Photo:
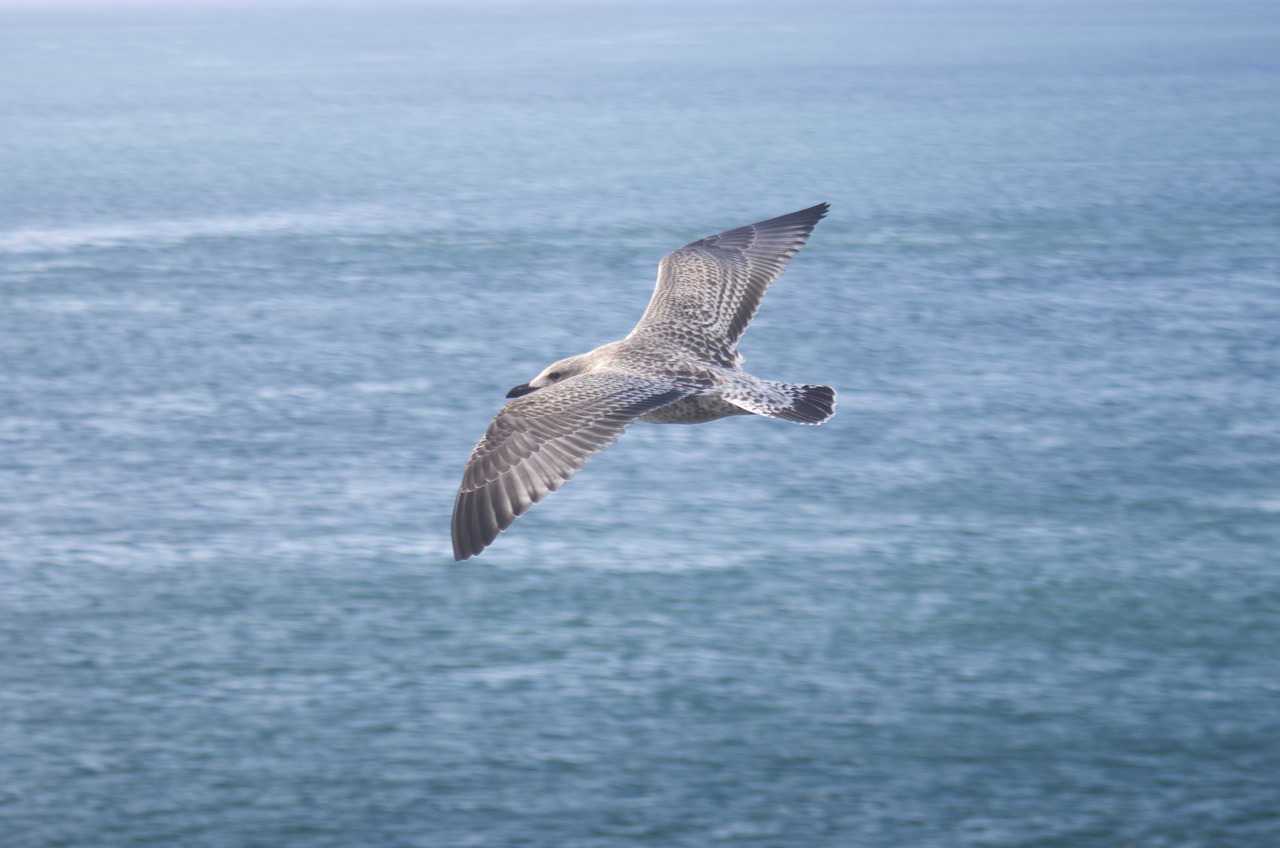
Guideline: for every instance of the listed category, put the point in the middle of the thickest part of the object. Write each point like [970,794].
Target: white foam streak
[160,232]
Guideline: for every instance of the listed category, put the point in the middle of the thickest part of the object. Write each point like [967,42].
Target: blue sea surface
[267,273]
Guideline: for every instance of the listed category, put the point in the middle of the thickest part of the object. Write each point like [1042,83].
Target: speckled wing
[708,291]
[538,442]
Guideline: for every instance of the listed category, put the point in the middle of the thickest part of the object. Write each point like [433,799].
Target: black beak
[522,389]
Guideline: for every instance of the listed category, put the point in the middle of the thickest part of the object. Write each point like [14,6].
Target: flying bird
[680,365]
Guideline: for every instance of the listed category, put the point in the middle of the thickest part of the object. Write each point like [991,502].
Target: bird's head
[552,374]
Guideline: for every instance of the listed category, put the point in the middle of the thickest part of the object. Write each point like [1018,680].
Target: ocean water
[265,276]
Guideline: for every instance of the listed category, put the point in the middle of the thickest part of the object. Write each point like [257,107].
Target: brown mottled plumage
[680,365]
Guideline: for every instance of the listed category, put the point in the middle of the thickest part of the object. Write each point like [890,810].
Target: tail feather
[798,402]
[809,404]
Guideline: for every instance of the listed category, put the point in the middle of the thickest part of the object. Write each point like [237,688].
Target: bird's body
[680,365]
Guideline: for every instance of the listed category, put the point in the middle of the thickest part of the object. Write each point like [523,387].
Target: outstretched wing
[710,290]
[538,442]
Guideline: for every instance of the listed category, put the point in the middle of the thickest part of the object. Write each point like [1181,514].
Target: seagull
[680,365]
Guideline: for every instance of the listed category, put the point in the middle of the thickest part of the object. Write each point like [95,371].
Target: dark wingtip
[803,220]
[816,213]
[468,532]
[461,549]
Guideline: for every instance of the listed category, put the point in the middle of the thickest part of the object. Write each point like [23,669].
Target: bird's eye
[554,375]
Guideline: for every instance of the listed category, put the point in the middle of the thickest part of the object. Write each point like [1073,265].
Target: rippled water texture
[266,276]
